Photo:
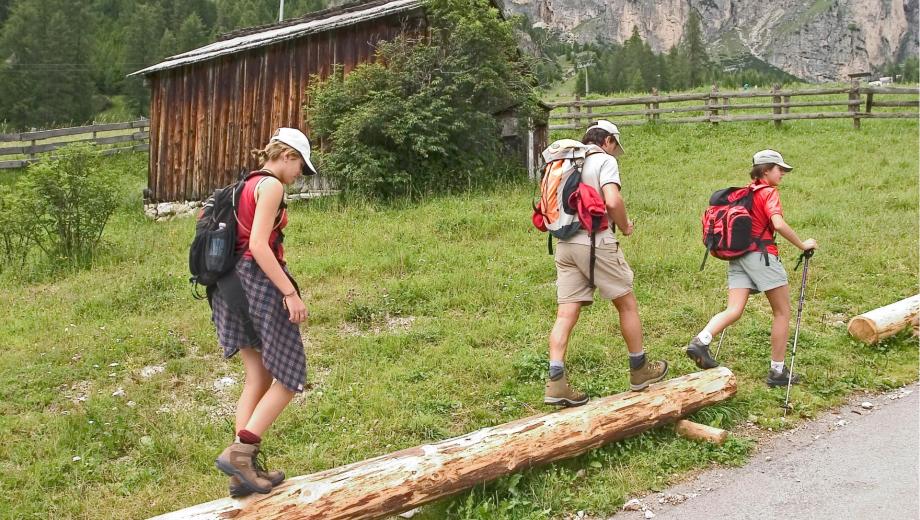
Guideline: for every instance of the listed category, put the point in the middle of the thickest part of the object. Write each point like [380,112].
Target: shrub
[424,121]
[60,206]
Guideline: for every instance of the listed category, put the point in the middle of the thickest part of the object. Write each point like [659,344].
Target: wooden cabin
[211,106]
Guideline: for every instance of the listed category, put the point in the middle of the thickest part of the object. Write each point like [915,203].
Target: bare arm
[779,224]
[270,195]
[616,208]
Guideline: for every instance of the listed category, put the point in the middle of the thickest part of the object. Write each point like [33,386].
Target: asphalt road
[852,463]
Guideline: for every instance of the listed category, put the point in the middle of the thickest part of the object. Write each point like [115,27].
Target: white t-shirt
[599,170]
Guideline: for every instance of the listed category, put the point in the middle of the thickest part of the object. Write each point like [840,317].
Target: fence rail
[30,144]
[717,107]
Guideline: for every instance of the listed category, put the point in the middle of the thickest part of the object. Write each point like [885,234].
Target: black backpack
[212,254]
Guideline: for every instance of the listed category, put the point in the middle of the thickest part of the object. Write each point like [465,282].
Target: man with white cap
[759,271]
[612,275]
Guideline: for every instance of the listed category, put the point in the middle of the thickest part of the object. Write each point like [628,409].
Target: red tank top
[245,215]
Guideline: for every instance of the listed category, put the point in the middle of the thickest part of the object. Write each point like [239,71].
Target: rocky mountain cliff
[816,40]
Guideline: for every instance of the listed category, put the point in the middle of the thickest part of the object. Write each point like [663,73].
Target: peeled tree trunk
[878,324]
[390,484]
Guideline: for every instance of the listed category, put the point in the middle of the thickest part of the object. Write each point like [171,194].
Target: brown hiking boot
[237,460]
[236,487]
[650,372]
[559,393]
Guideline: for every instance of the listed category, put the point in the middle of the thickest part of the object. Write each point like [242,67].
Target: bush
[424,122]
[60,206]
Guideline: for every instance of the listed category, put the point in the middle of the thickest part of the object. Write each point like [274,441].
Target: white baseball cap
[610,128]
[298,141]
[770,157]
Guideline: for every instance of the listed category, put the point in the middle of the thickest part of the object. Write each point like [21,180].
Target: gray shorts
[751,272]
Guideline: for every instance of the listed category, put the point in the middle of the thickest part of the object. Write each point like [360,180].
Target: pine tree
[191,34]
[46,72]
[143,36]
[695,51]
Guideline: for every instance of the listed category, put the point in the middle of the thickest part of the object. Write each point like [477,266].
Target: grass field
[430,320]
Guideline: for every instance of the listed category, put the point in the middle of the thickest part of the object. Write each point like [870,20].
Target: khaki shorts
[612,275]
[751,272]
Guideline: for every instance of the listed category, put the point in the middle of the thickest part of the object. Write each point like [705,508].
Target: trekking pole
[721,337]
[806,255]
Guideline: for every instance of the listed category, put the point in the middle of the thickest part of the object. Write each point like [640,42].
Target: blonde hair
[272,151]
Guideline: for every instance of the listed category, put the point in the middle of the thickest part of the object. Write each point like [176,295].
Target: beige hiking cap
[770,157]
[612,129]
[298,141]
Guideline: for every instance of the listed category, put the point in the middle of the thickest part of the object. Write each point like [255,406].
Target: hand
[809,244]
[296,308]
[628,229]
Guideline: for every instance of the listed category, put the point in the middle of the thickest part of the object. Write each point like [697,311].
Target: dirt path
[853,463]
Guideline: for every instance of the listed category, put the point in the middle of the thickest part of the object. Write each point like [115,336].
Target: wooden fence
[724,107]
[22,149]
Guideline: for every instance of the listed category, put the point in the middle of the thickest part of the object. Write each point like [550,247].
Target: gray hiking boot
[775,378]
[650,372]
[699,353]
[237,460]
[559,393]
[236,487]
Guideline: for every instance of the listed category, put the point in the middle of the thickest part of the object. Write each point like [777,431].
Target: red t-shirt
[766,204]
[245,215]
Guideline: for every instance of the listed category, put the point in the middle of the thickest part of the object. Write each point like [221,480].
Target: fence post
[32,151]
[576,117]
[776,108]
[94,131]
[786,101]
[869,102]
[655,104]
[725,102]
[714,104]
[588,111]
[854,96]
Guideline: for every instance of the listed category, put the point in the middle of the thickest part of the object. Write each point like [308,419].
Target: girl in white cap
[759,271]
[275,310]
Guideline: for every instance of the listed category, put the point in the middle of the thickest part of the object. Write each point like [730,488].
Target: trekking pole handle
[808,253]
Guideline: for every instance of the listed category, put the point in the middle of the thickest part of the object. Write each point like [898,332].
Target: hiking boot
[775,378]
[237,460]
[236,487]
[648,373]
[699,353]
[559,393]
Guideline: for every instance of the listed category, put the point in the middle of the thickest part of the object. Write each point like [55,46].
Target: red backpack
[728,227]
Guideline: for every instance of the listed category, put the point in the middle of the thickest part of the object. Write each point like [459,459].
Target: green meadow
[430,320]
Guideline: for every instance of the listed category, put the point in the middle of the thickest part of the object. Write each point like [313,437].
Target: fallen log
[400,481]
[876,325]
[700,432]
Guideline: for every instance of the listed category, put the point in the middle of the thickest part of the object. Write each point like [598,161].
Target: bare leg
[269,408]
[258,380]
[630,324]
[566,318]
[779,333]
[737,299]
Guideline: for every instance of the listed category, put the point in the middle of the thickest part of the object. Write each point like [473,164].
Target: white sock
[705,337]
[777,365]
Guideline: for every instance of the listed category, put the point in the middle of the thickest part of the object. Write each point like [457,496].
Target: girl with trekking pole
[262,322]
[759,271]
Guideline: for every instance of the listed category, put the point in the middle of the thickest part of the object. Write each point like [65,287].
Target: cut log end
[701,432]
[863,329]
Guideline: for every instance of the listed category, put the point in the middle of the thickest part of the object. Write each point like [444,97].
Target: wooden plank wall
[205,118]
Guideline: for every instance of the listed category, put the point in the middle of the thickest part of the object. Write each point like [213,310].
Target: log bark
[878,324]
[390,484]
[701,432]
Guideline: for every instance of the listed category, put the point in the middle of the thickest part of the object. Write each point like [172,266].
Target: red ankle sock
[247,437]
